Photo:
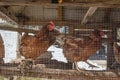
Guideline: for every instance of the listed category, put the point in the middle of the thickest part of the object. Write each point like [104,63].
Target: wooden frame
[59,73]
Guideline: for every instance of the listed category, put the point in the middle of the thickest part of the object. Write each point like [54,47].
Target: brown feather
[33,46]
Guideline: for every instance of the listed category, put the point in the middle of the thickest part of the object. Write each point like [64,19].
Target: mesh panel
[84,44]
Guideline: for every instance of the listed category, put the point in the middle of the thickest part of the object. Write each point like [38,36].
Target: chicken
[32,46]
[2,50]
[80,49]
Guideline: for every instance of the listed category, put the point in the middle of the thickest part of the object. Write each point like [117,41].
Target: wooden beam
[80,4]
[17,29]
[60,13]
[76,24]
[89,13]
[7,15]
[71,24]
[43,72]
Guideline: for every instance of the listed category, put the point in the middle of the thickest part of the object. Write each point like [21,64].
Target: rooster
[2,51]
[80,49]
[32,46]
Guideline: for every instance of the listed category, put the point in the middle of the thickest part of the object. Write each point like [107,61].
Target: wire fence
[73,50]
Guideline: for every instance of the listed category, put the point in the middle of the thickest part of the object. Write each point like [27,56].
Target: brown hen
[80,49]
[32,46]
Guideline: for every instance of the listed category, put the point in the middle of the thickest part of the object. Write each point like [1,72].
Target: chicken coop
[59,39]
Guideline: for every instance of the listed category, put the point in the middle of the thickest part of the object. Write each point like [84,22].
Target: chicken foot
[81,69]
[91,65]
[77,68]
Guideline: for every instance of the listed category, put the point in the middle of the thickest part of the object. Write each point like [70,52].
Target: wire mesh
[58,51]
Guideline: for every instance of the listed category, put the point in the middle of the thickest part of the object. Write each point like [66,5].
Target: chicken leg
[79,69]
[76,67]
[90,65]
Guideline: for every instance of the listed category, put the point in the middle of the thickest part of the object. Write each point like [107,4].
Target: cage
[71,40]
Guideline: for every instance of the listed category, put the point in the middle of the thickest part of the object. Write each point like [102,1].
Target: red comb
[51,26]
[52,23]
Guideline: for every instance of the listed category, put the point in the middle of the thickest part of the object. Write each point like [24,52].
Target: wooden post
[60,13]
[2,50]
[18,43]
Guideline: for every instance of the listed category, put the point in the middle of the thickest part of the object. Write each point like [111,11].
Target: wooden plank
[76,24]
[71,24]
[17,29]
[89,13]
[87,1]
[7,15]
[60,73]
[89,4]
[44,1]
[87,26]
